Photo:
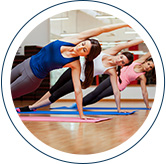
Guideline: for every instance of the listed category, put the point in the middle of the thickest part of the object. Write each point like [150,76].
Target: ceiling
[80,20]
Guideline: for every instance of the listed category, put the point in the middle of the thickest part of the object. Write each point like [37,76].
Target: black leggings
[64,85]
[104,89]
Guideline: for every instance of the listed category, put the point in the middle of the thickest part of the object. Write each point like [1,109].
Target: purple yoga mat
[61,119]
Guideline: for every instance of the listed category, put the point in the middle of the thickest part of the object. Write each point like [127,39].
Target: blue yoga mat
[101,108]
[77,113]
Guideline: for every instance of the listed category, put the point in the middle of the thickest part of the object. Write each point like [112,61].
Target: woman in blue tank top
[58,54]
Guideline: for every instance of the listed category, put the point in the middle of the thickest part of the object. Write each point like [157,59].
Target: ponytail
[88,74]
[94,52]
[119,71]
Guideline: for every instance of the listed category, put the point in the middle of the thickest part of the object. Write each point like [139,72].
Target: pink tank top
[128,75]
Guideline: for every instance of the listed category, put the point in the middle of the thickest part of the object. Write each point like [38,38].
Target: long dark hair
[130,57]
[151,75]
[149,59]
[94,52]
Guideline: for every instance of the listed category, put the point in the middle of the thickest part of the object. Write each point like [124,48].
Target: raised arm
[142,79]
[119,47]
[143,58]
[94,32]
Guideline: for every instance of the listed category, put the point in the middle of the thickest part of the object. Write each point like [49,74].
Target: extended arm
[142,79]
[119,47]
[77,87]
[113,79]
[143,58]
[94,32]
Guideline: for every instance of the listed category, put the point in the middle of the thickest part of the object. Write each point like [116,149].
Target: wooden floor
[87,138]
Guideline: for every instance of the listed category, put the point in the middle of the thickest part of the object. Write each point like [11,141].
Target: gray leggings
[23,80]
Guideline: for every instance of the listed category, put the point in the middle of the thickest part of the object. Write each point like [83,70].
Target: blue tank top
[50,58]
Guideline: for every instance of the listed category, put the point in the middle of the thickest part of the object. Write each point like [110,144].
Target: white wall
[39,36]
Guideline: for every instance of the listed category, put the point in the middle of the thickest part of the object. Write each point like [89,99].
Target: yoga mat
[76,112]
[102,108]
[62,119]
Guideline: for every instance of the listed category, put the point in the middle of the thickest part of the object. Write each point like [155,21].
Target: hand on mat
[148,107]
[88,118]
[124,111]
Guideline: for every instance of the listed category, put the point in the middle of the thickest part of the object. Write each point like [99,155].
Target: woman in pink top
[135,71]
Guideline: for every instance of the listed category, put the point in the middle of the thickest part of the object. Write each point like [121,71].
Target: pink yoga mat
[61,119]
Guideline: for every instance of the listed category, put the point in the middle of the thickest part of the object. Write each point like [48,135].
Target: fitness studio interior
[58,124]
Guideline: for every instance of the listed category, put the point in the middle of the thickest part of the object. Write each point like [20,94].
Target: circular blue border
[104,4]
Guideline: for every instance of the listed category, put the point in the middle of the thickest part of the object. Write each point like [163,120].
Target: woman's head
[88,48]
[93,53]
[148,65]
[83,48]
[124,59]
[149,69]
